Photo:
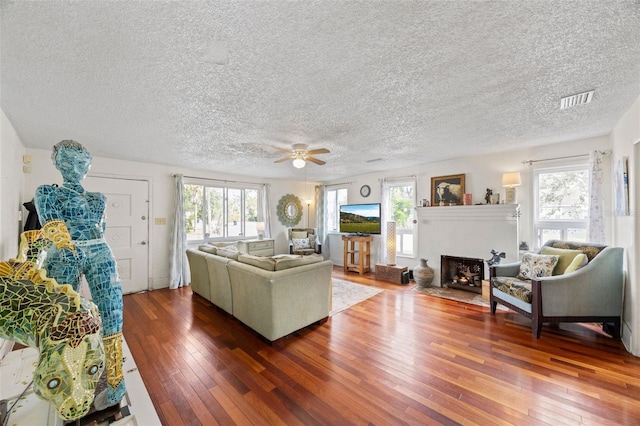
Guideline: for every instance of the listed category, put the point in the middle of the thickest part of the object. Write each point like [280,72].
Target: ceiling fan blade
[290,157]
[282,149]
[315,160]
[318,151]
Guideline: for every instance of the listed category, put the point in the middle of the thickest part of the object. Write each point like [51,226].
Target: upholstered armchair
[304,241]
[563,282]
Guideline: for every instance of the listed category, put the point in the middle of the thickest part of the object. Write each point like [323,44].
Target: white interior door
[127,231]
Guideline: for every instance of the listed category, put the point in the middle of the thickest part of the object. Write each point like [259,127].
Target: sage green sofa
[570,293]
[274,296]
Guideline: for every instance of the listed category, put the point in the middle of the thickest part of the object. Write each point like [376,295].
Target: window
[335,198]
[561,203]
[218,212]
[401,201]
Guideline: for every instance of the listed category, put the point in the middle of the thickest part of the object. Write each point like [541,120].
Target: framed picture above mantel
[447,190]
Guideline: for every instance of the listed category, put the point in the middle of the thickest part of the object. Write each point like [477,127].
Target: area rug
[346,294]
[457,295]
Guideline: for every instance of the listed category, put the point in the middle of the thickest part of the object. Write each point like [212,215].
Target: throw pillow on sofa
[230,252]
[298,234]
[208,248]
[537,266]
[578,262]
[566,256]
[300,243]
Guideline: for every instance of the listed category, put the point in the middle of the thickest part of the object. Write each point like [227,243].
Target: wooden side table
[390,273]
[357,247]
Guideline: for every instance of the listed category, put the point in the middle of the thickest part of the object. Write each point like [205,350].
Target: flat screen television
[360,218]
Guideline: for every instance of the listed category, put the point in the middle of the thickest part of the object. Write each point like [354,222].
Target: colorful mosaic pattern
[38,312]
[73,220]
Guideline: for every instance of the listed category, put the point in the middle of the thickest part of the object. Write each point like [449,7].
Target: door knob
[144,243]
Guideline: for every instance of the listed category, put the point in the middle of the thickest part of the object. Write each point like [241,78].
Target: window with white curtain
[335,198]
[401,200]
[218,211]
[561,203]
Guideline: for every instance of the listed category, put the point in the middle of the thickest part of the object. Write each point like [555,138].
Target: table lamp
[260,229]
[510,181]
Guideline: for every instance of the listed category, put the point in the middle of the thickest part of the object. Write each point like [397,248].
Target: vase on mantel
[423,274]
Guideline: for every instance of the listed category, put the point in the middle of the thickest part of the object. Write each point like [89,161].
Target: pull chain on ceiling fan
[300,155]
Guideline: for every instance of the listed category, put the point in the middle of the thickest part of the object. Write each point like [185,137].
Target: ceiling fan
[300,155]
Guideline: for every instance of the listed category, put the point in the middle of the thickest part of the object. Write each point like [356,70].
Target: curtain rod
[219,180]
[338,184]
[530,162]
[391,179]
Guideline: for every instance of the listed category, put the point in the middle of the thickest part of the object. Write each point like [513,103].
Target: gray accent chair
[306,233]
[593,293]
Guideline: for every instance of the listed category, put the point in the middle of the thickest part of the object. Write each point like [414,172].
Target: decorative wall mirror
[289,210]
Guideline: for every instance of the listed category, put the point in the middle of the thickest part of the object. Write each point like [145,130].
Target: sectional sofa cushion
[266,263]
[287,261]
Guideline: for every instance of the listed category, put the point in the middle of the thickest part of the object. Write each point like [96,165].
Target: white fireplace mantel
[468,231]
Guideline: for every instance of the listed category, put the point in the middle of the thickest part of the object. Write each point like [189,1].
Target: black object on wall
[33,221]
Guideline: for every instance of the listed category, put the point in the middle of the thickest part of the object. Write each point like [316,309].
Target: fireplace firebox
[464,273]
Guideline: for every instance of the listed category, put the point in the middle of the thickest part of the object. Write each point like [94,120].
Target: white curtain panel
[321,201]
[596,199]
[382,241]
[266,213]
[179,265]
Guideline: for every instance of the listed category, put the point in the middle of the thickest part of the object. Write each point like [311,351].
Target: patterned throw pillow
[300,243]
[312,241]
[537,266]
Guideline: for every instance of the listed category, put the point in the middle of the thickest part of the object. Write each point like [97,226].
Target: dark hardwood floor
[400,357]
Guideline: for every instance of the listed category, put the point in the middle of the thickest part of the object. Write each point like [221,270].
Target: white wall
[481,172]
[161,200]
[11,200]
[625,141]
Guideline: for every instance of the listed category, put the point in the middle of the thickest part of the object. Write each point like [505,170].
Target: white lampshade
[391,243]
[260,229]
[511,179]
[298,163]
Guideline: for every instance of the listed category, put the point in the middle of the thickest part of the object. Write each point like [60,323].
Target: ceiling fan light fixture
[298,163]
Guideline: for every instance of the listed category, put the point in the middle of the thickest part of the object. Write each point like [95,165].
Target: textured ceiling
[218,85]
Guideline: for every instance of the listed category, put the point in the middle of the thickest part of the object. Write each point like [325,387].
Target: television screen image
[360,218]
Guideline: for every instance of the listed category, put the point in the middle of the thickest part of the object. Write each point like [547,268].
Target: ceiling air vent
[575,100]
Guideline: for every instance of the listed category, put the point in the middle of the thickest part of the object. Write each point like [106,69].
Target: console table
[257,247]
[360,246]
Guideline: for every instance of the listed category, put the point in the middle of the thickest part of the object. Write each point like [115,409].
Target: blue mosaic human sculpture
[73,219]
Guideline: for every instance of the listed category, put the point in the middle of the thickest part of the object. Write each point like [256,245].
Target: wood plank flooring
[400,357]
